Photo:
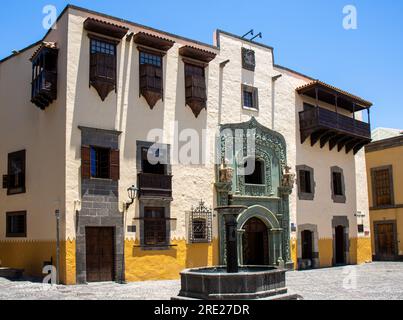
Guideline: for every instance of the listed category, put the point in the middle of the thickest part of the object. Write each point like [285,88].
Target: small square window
[100,163]
[16,224]
[250,97]
[247,99]
[360,228]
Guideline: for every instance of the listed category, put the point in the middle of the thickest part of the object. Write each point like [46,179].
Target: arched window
[257,177]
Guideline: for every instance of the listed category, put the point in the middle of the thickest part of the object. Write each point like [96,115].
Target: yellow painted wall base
[142,265]
[294,254]
[31,255]
[68,264]
[27,255]
[363,250]
[360,251]
[325,253]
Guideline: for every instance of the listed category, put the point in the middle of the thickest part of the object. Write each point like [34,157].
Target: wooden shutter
[85,162]
[115,165]
[5,181]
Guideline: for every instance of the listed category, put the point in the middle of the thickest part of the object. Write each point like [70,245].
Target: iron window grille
[155,224]
[200,224]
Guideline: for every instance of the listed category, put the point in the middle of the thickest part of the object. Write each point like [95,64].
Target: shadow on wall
[140,118]
[186,119]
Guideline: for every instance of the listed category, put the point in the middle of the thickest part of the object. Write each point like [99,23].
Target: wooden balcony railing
[155,185]
[44,89]
[337,129]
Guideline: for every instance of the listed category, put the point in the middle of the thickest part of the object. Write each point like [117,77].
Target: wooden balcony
[155,185]
[44,89]
[324,126]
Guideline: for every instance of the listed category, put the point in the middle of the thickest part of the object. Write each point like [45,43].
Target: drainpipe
[57,213]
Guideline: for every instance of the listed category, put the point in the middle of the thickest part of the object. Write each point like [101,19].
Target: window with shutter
[14,182]
[338,187]
[85,162]
[115,165]
[337,184]
[305,183]
[195,88]
[103,66]
[383,187]
[44,75]
[151,87]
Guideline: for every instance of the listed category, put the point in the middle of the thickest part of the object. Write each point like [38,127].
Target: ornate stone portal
[267,201]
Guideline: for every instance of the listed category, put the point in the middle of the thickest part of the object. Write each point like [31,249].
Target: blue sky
[308,36]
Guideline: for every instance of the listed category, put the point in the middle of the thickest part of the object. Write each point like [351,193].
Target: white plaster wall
[41,133]
[127,112]
[287,105]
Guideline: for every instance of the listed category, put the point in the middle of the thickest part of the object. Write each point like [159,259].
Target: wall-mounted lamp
[259,35]
[249,32]
[132,194]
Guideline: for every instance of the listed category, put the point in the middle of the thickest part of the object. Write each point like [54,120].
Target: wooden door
[386,241]
[255,243]
[307,248]
[100,254]
[340,245]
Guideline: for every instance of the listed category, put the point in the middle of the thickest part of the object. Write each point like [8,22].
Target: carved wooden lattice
[200,224]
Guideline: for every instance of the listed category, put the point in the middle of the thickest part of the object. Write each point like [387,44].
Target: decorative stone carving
[248,59]
[270,146]
[288,179]
[226,173]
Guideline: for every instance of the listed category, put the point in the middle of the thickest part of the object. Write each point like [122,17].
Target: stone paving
[371,281]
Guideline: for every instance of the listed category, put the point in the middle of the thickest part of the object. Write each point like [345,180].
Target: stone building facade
[101,97]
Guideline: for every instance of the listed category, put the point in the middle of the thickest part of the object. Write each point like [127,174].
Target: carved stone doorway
[255,242]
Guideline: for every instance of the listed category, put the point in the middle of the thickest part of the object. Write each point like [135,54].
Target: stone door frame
[336,222]
[273,229]
[315,245]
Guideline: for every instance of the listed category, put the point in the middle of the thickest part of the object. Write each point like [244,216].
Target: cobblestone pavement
[370,281]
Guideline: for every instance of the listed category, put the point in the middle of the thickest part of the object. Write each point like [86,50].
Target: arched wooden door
[255,243]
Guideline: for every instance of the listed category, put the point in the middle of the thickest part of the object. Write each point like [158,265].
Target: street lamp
[132,193]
